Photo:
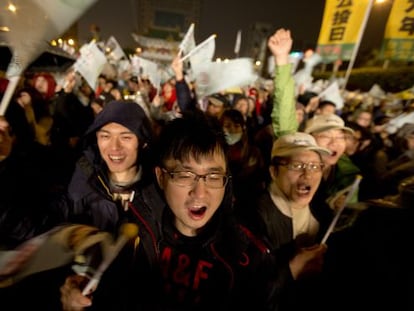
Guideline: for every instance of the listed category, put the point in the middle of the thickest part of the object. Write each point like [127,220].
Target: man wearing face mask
[245,160]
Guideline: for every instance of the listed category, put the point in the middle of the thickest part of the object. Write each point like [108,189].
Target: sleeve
[184,99]
[284,111]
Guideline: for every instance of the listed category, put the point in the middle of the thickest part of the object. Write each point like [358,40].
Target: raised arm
[184,99]
[283,112]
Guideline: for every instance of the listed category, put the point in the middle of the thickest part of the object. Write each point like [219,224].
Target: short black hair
[192,135]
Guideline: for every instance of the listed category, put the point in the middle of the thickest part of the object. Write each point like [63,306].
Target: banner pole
[358,43]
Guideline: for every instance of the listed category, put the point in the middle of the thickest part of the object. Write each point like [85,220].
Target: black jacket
[225,267]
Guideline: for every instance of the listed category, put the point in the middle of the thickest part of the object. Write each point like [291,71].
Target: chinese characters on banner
[398,43]
[341,25]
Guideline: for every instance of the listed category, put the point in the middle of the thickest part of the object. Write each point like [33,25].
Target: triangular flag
[202,52]
[188,42]
[113,50]
[376,91]
[333,94]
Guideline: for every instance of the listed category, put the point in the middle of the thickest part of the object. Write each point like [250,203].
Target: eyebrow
[190,168]
[110,132]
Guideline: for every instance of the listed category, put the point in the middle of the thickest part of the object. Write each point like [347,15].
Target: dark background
[226,17]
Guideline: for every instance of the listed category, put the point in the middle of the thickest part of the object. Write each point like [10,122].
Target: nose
[199,188]
[115,143]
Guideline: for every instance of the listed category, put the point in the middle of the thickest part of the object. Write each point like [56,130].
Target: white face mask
[233,138]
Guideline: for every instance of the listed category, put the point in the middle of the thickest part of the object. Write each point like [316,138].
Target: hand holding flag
[353,189]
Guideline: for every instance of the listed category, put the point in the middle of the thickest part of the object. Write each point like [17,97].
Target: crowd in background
[43,140]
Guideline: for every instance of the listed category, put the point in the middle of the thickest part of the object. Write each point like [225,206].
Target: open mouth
[198,211]
[303,189]
[116,159]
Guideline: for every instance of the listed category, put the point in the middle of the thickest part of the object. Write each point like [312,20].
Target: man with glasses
[329,130]
[340,172]
[284,216]
[296,172]
[194,256]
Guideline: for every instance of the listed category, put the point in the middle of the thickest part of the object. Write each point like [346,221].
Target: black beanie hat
[126,113]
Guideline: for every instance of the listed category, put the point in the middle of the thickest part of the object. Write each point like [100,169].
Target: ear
[160,177]
[272,171]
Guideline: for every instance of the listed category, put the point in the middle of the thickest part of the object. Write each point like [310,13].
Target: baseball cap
[290,144]
[217,100]
[322,123]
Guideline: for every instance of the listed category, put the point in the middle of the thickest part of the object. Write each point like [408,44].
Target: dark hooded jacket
[89,199]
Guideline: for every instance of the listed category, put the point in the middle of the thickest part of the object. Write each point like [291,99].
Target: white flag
[113,50]
[146,68]
[32,24]
[376,91]
[54,248]
[90,63]
[333,94]
[212,77]
[303,77]
[188,42]
[203,52]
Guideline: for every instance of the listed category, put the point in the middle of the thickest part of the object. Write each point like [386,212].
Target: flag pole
[358,43]
[237,44]
[198,47]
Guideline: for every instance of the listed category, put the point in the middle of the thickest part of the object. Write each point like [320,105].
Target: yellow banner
[341,24]
[398,41]
[400,24]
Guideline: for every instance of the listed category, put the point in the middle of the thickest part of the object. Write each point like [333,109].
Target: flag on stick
[353,188]
[90,63]
[202,52]
[188,42]
[32,24]
[212,77]
[75,243]
[114,50]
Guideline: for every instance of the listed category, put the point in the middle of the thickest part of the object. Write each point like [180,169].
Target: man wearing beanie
[110,170]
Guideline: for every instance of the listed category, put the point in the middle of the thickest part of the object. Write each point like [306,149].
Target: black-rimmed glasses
[300,166]
[189,179]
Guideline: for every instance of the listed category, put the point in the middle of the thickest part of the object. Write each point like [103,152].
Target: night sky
[226,17]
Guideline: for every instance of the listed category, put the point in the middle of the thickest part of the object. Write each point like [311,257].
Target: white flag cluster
[212,77]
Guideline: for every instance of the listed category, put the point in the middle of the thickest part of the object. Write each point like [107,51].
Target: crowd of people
[232,193]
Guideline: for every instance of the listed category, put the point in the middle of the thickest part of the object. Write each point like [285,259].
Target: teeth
[196,207]
[115,158]
[304,189]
